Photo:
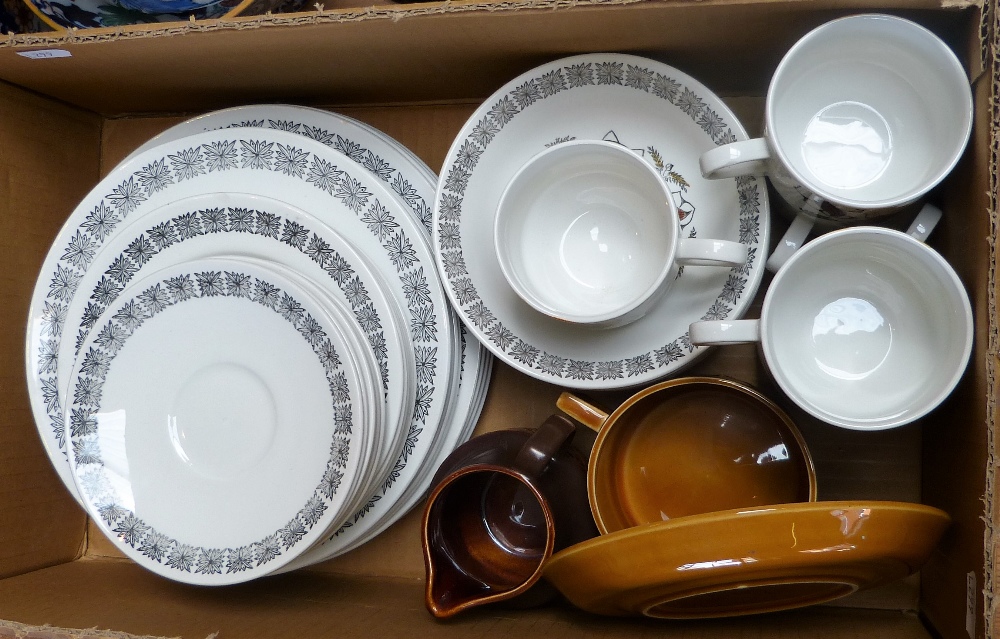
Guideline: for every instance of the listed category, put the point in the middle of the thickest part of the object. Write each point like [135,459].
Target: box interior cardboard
[417,73]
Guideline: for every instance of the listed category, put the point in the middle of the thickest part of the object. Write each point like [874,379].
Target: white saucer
[120,260]
[408,176]
[275,164]
[661,113]
[413,183]
[215,418]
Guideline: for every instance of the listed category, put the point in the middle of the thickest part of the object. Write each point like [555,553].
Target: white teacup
[866,328]
[587,232]
[863,116]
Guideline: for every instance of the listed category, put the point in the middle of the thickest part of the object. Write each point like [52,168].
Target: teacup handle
[791,241]
[587,414]
[924,223]
[746,157]
[798,232]
[703,252]
[537,452]
[722,332]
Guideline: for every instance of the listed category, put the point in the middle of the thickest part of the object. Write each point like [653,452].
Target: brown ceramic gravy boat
[503,503]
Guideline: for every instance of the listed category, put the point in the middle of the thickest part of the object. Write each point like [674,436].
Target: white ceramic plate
[663,114]
[134,250]
[413,183]
[274,164]
[214,418]
[408,177]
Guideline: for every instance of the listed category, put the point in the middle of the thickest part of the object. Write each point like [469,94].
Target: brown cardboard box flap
[426,66]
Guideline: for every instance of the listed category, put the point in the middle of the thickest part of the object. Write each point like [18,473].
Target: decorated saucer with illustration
[664,115]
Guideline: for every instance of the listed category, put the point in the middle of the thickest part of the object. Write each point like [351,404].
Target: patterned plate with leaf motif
[218,421]
[410,180]
[657,111]
[188,229]
[279,165]
[413,183]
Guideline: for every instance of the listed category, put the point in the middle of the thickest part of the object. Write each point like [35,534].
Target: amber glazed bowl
[747,561]
[689,446]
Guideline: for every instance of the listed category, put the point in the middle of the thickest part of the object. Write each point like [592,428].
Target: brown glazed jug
[502,504]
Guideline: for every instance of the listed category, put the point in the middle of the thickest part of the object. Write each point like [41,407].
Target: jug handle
[537,452]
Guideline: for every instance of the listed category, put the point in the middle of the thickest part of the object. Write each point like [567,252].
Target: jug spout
[487,534]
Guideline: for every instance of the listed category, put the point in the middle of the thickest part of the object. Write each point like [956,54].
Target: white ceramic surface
[213,421]
[667,117]
[864,114]
[358,354]
[385,158]
[413,184]
[122,259]
[865,328]
[587,232]
[275,164]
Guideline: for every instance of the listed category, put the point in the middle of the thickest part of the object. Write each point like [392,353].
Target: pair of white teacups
[865,327]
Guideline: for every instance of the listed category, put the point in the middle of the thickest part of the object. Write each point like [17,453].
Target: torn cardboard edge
[990,34]
[14,630]
[323,16]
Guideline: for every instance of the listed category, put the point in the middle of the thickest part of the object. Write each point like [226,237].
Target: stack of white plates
[240,357]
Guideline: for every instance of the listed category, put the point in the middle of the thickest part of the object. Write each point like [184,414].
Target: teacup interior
[870,110]
[586,231]
[866,329]
[696,448]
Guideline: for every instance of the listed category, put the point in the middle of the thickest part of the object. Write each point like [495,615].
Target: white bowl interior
[587,231]
[867,330]
[870,110]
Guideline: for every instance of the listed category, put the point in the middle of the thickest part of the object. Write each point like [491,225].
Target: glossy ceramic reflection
[587,232]
[502,504]
[689,446]
[747,561]
[865,328]
[863,115]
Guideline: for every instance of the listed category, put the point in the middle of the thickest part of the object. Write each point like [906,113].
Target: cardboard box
[416,72]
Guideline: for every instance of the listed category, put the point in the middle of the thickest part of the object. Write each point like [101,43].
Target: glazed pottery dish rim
[619,587]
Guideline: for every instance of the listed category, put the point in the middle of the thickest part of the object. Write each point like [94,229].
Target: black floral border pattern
[377,166]
[449,240]
[371,161]
[87,397]
[197,223]
[226,154]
